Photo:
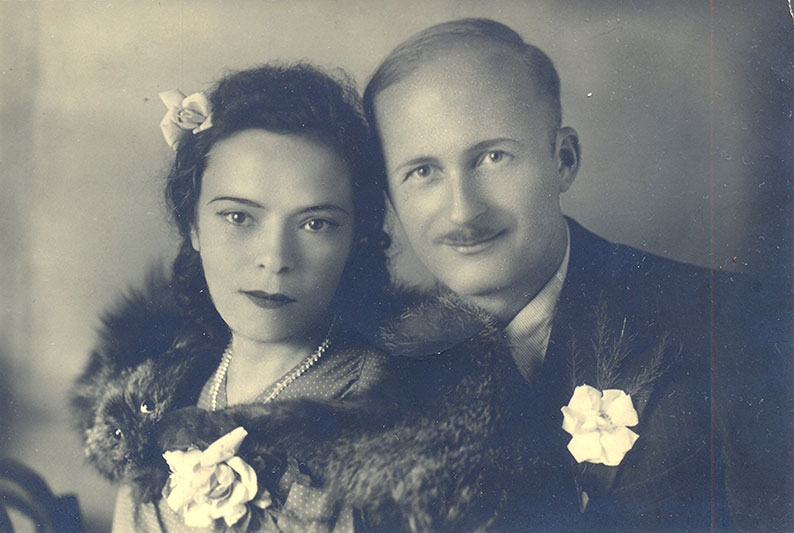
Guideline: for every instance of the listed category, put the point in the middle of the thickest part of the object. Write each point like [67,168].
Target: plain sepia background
[684,110]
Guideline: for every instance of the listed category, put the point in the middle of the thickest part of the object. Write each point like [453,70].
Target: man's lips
[268,301]
[470,241]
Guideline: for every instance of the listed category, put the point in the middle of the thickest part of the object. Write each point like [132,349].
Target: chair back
[24,491]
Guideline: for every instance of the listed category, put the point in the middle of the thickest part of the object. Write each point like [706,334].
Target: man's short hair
[409,55]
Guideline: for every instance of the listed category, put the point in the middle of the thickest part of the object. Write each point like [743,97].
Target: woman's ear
[567,155]
[194,239]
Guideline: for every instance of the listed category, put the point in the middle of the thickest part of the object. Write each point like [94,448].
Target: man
[469,120]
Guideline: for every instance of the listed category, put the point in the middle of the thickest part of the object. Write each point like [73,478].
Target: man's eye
[493,157]
[421,173]
[238,218]
[318,224]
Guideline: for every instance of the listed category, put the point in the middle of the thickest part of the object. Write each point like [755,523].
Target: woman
[282,247]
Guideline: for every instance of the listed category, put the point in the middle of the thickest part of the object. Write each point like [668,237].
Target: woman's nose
[275,250]
[465,199]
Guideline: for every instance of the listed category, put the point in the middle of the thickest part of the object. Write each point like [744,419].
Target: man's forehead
[463,76]
[471,58]
[479,69]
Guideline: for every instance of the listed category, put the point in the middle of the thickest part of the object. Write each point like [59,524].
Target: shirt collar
[530,329]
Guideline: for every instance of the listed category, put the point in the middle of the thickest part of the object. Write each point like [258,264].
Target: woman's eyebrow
[243,201]
[325,207]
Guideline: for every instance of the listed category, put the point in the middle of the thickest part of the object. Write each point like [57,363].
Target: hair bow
[185,113]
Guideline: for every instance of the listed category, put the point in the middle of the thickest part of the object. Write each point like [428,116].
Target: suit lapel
[572,331]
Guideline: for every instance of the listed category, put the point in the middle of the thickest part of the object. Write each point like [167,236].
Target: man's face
[474,174]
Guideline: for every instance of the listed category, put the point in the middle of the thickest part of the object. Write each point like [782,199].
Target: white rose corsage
[214,484]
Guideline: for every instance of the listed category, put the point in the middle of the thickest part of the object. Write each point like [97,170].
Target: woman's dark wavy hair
[296,99]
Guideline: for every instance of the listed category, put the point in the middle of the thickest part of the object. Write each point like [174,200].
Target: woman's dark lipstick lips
[266,300]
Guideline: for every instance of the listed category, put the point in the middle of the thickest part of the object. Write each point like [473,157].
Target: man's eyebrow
[479,147]
[325,207]
[415,162]
[243,201]
[489,143]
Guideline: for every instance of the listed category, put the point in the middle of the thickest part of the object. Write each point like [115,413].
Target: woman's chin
[283,330]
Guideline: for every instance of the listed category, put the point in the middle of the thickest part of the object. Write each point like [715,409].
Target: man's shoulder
[733,315]
[611,261]
[639,280]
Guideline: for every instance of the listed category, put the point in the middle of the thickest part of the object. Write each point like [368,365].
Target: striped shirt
[530,330]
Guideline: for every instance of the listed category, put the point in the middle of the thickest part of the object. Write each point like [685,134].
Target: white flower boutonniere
[599,424]
[213,484]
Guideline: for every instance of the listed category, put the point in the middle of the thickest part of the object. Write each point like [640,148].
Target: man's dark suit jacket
[715,448]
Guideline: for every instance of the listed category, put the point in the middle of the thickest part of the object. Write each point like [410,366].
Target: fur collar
[150,358]
[431,323]
[441,446]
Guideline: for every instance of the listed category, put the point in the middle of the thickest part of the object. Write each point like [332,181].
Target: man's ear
[194,240]
[567,155]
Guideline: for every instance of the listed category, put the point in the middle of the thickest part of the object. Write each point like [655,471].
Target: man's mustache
[466,235]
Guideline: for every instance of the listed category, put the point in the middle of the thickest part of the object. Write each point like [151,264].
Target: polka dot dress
[348,367]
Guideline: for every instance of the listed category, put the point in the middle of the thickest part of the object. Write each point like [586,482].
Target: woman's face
[274,228]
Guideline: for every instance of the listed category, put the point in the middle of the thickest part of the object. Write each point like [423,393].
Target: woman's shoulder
[143,320]
[141,323]
[144,323]
[366,364]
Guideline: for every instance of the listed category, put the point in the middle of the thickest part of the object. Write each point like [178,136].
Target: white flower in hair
[185,114]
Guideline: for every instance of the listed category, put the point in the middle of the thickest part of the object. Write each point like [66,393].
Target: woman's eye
[421,173]
[493,157]
[238,218]
[118,434]
[318,224]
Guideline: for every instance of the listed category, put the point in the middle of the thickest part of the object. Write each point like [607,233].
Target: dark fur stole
[428,324]
[423,451]
[150,359]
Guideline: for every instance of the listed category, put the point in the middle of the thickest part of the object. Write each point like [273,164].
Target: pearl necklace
[282,384]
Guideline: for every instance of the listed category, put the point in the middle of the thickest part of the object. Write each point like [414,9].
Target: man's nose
[276,250]
[465,199]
